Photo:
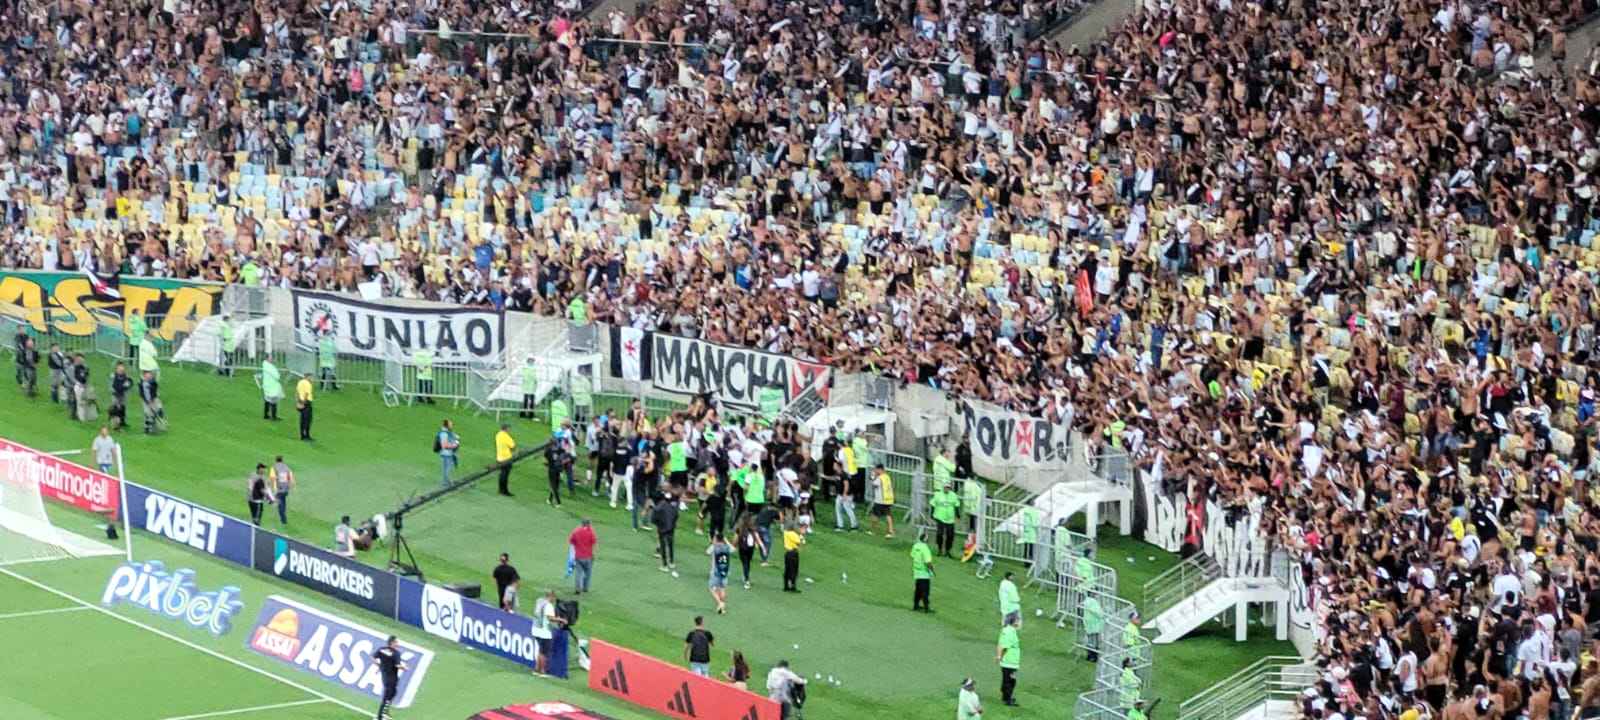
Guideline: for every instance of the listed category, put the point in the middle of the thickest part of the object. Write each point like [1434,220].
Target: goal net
[26,531]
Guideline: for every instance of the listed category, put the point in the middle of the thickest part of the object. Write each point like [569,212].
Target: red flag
[1085,297]
[970,547]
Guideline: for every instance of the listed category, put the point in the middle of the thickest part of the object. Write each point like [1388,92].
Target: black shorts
[786,503]
[678,478]
[880,510]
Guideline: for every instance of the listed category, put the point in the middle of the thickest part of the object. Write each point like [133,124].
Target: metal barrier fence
[1125,662]
[584,337]
[1183,580]
[1113,612]
[1100,704]
[1076,584]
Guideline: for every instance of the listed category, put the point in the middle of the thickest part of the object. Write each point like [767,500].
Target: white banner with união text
[367,329]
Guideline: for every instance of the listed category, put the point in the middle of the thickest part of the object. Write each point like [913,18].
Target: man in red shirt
[582,542]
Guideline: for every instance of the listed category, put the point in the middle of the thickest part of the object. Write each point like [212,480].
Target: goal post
[27,533]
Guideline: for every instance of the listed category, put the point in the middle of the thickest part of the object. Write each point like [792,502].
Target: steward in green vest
[271,389]
[1084,572]
[582,396]
[530,389]
[1137,711]
[1009,655]
[1029,536]
[229,345]
[945,506]
[423,359]
[1131,637]
[1093,623]
[921,574]
[972,501]
[944,470]
[136,332]
[327,362]
[1128,683]
[578,310]
[559,412]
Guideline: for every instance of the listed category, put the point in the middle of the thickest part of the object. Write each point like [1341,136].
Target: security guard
[1137,711]
[423,359]
[147,358]
[971,500]
[1030,532]
[137,329]
[1128,682]
[59,365]
[530,388]
[1131,636]
[504,447]
[120,385]
[229,344]
[582,397]
[945,504]
[327,362]
[271,389]
[921,574]
[1093,623]
[302,401]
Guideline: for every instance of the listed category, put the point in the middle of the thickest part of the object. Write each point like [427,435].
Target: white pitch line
[241,711]
[181,641]
[33,613]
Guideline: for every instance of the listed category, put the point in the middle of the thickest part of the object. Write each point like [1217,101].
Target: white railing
[1271,679]
[1181,581]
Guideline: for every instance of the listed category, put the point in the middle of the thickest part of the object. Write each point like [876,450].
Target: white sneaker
[613,504]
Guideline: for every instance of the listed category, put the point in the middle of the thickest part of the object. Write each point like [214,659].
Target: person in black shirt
[256,492]
[120,385]
[22,344]
[28,366]
[389,666]
[697,648]
[504,574]
[77,387]
[664,516]
[150,393]
[58,372]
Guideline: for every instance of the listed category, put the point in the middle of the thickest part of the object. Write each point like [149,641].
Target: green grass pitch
[893,664]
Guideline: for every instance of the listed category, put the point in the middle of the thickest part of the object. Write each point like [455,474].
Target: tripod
[400,558]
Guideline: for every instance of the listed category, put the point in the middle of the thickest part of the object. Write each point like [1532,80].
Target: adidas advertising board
[173,595]
[314,568]
[471,623]
[671,690]
[334,649]
[185,523]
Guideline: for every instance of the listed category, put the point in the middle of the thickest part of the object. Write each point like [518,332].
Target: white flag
[632,347]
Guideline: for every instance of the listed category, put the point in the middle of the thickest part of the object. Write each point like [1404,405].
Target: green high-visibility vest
[1010,648]
[147,355]
[578,310]
[1130,634]
[226,331]
[136,329]
[944,469]
[755,488]
[1030,525]
[424,362]
[921,561]
[678,456]
[250,274]
[1093,618]
[559,412]
[582,394]
[945,503]
[328,353]
[271,383]
[972,492]
[530,379]
[1129,680]
[862,452]
[1136,714]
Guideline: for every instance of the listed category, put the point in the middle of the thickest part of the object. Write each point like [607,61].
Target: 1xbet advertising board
[185,523]
[333,649]
[468,622]
[173,595]
[338,577]
[63,481]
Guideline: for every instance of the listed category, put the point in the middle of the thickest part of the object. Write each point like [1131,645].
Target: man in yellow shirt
[791,558]
[504,446]
[302,400]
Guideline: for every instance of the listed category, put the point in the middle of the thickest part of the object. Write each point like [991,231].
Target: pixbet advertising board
[58,479]
[185,523]
[173,595]
[333,649]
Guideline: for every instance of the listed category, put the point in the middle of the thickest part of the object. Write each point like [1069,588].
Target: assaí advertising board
[334,649]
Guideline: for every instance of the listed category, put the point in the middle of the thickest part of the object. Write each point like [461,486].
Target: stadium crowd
[1330,264]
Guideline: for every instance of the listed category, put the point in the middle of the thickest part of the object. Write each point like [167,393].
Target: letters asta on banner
[370,330]
[66,303]
[333,649]
[689,366]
